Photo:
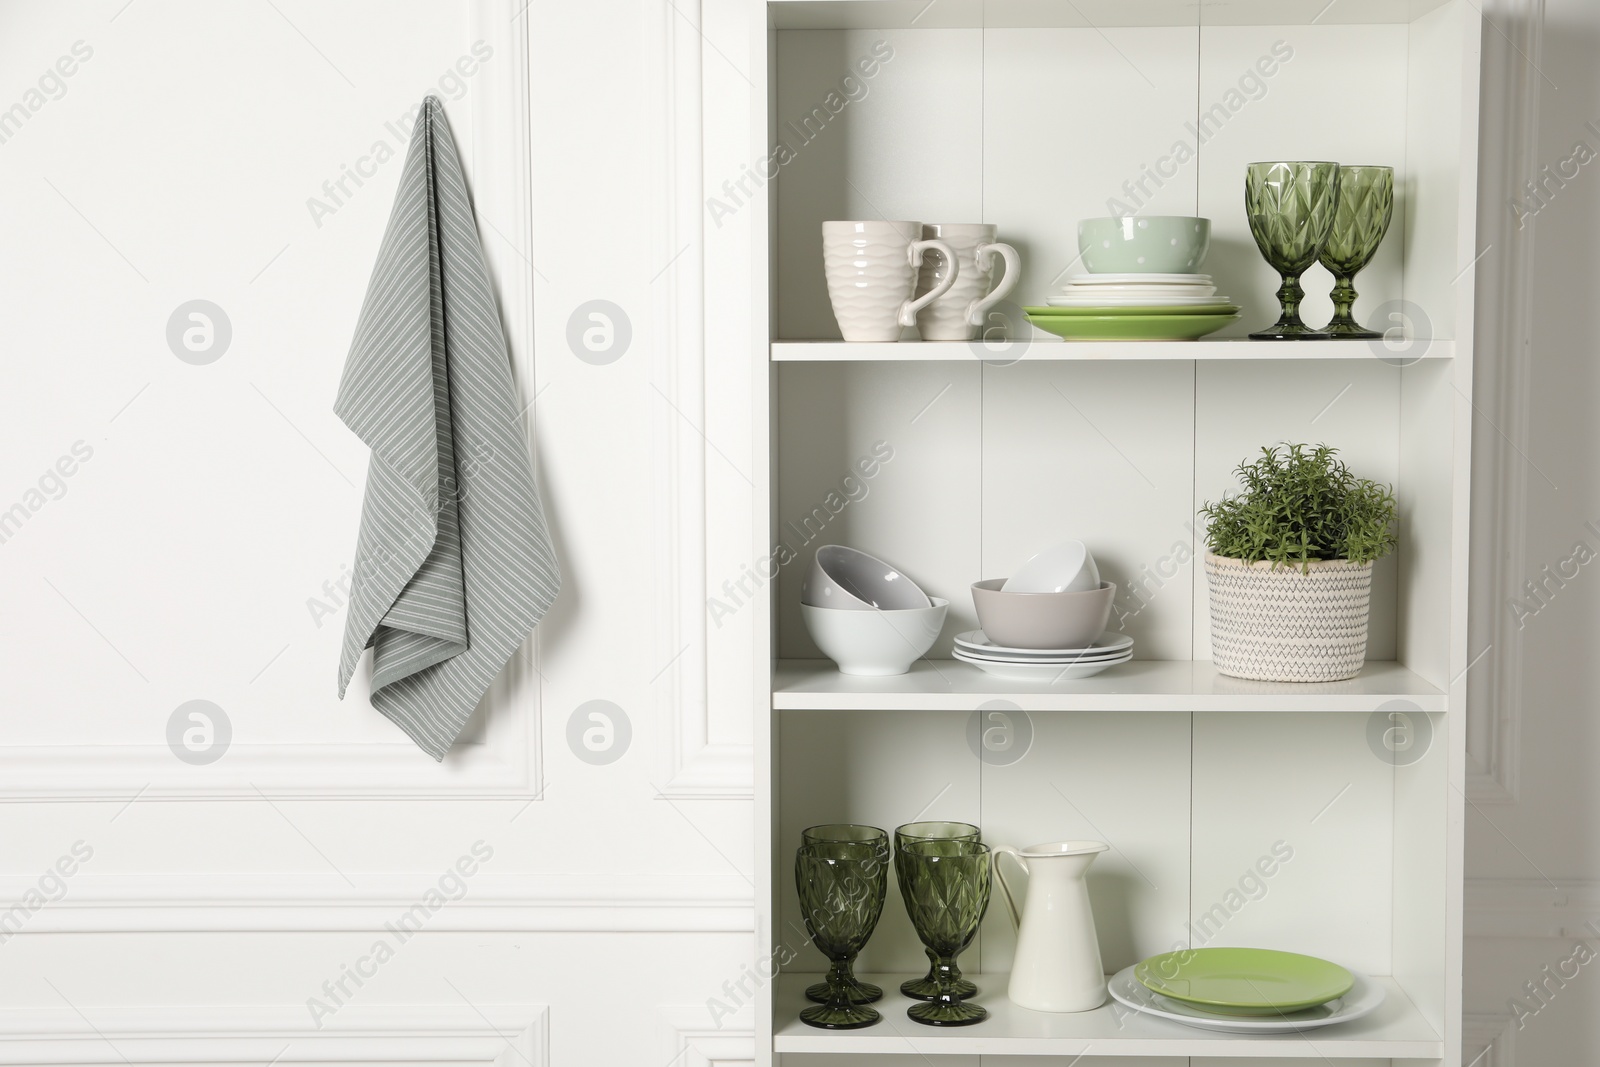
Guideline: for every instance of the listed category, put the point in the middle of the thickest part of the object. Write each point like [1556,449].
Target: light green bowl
[1144,244]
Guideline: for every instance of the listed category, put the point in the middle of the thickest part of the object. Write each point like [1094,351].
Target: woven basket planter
[1287,626]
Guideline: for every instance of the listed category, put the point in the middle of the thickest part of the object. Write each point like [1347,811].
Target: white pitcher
[1057,965]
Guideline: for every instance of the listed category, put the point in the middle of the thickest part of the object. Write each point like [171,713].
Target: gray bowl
[841,577]
[1042,620]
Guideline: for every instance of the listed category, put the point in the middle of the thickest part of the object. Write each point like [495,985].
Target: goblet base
[856,992]
[1350,331]
[947,1013]
[1289,332]
[928,988]
[840,1016]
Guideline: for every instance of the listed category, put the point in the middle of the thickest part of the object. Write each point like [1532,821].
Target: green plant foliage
[1301,504]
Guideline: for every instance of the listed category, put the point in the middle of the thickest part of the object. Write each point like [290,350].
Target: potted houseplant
[1290,566]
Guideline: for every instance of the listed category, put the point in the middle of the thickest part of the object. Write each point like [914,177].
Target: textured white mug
[872,272]
[956,315]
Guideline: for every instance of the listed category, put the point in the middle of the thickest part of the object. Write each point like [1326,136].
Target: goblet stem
[1344,298]
[927,988]
[1290,325]
[1289,296]
[1343,323]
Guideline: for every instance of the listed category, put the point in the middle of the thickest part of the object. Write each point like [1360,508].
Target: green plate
[1132,327]
[1244,981]
[1159,309]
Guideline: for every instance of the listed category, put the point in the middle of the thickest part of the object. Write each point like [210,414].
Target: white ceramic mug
[872,272]
[957,315]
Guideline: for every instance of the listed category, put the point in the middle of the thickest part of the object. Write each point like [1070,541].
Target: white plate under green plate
[1185,327]
[1244,981]
[1107,644]
[1210,307]
[1139,279]
[1364,998]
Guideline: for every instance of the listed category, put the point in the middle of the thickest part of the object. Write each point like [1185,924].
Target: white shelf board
[1140,685]
[1055,348]
[1397,1030]
[1086,14]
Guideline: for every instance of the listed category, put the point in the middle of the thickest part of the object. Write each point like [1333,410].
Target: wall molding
[1532,908]
[1487,1041]
[506,763]
[690,1038]
[492,1034]
[298,903]
[1510,125]
[693,766]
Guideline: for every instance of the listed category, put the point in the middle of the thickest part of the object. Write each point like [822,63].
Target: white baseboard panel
[417,1035]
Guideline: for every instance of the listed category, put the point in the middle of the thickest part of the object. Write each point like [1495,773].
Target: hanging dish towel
[453,562]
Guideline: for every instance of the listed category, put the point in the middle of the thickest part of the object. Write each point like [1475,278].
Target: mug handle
[908,310]
[986,252]
[996,851]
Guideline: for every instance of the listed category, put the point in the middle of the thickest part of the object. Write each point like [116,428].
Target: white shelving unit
[957,463]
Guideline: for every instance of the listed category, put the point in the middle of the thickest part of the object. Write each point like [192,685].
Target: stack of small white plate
[1138,291]
[1042,664]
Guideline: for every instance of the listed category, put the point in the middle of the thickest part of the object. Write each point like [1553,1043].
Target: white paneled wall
[247,154]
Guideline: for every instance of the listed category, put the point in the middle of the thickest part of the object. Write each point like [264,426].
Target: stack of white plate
[1139,290]
[1042,664]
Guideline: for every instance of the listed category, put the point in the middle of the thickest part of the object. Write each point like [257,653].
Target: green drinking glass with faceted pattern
[927,988]
[1360,219]
[842,886]
[945,885]
[1290,207]
[857,991]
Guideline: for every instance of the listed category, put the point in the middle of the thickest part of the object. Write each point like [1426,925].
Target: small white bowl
[875,643]
[1065,568]
[841,577]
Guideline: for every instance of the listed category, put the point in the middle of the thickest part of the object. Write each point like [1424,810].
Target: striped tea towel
[453,562]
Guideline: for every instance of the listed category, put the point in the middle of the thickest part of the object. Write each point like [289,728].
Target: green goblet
[842,885]
[1360,219]
[945,885]
[857,991]
[928,988]
[1290,207]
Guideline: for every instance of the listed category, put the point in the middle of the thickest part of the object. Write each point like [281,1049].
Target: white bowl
[841,577]
[875,643]
[1065,568]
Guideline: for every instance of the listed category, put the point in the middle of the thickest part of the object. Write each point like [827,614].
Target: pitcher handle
[908,310]
[1008,281]
[996,851]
